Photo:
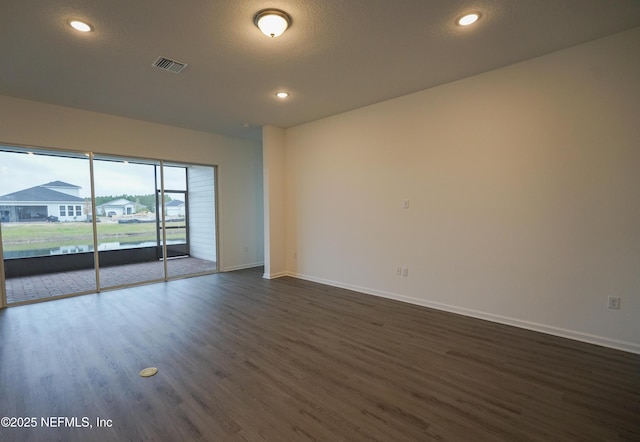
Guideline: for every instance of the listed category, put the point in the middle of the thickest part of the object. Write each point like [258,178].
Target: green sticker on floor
[149,371]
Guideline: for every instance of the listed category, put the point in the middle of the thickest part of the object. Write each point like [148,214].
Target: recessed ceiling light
[80,26]
[468,19]
[282,94]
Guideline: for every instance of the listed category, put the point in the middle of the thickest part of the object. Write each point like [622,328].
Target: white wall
[524,193]
[273,152]
[30,123]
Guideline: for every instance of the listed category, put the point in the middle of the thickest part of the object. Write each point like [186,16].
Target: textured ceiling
[337,56]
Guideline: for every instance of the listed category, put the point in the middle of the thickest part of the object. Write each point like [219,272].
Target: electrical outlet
[405,271]
[613,302]
[405,204]
[399,271]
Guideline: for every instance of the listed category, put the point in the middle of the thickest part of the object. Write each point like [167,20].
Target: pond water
[66,250]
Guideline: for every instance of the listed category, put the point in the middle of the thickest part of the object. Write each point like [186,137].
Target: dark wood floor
[243,358]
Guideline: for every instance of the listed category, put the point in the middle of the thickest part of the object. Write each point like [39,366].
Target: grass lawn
[25,236]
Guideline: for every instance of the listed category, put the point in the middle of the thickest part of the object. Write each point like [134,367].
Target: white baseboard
[274,275]
[242,267]
[550,330]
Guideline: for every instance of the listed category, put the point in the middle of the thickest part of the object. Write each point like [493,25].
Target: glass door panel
[190,219]
[45,217]
[127,221]
[200,219]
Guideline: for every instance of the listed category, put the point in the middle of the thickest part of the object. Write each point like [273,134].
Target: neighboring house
[174,208]
[118,207]
[56,200]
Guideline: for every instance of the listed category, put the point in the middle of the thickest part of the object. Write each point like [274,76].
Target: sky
[20,171]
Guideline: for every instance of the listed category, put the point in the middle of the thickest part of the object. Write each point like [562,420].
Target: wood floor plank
[242,358]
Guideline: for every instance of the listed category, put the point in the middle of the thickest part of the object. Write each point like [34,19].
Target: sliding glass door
[74,223]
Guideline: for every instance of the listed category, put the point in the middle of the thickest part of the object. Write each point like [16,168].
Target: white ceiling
[337,56]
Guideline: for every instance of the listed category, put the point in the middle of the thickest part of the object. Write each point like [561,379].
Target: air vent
[167,64]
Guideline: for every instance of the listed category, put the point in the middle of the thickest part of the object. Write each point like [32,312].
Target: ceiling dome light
[468,19]
[282,94]
[272,22]
[80,26]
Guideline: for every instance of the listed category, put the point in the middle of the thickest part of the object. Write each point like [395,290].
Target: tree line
[149,200]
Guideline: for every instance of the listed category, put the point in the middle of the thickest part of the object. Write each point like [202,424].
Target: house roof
[175,203]
[60,184]
[117,202]
[39,194]
[337,55]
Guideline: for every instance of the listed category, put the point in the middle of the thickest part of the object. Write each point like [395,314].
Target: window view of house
[52,201]
[47,222]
